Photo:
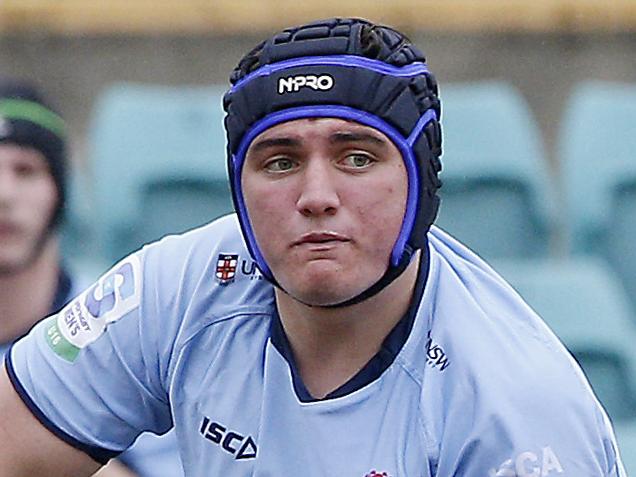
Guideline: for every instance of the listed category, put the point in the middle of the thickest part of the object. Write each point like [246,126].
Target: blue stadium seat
[584,303]
[497,196]
[153,150]
[626,437]
[175,205]
[598,153]
[77,233]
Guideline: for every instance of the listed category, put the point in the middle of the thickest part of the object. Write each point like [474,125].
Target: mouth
[324,238]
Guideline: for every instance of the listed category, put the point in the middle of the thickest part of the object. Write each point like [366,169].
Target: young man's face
[326,199]
[28,197]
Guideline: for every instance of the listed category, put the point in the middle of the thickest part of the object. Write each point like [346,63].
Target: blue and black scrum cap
[350,69]
[27,120]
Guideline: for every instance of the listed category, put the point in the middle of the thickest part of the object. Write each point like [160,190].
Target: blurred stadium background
[539,116]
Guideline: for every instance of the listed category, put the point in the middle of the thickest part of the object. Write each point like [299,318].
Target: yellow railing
[244,16]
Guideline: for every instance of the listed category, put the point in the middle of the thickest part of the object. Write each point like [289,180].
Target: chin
[325,282]
[320,297]
[324,291]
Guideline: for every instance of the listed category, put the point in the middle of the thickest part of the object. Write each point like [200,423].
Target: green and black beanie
[26,119]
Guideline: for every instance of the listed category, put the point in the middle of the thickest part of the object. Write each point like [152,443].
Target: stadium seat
[497,195]
[597,149]
[176,205]
[77,233]
[626,437]
[583,302]
[154,150]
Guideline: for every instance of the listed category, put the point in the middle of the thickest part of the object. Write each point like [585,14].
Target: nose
[318,195]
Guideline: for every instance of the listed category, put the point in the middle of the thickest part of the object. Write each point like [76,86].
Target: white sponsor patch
[85,318]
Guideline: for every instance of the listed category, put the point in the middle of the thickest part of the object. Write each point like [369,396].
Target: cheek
[41,201]
[381,216]
[387,203]
[261,203]
[267,208]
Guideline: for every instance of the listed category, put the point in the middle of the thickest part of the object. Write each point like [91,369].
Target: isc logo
[239,446]
[294,83]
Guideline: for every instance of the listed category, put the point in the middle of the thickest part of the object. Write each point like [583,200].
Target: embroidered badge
[226,267]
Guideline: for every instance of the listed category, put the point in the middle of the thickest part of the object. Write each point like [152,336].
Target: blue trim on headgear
[404,145]
[353,61]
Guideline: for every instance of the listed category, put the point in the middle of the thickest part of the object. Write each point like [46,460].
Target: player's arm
[27,448]
[114,468]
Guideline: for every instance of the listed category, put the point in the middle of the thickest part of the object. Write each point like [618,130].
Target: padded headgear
[350,69]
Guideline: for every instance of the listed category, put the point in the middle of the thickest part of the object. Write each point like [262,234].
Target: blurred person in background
[33,170]
[34,282]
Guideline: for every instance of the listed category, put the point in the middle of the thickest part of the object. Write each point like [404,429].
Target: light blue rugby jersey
[470,383]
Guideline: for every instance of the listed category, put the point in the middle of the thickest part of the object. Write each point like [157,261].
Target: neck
[330,345]
[26,295]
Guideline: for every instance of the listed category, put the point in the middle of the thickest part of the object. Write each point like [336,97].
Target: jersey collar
[391,346]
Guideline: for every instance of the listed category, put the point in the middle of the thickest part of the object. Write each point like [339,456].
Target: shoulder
[483,327]
[203,276]
[194,247]
[170,290]
[488,364]
[212,260]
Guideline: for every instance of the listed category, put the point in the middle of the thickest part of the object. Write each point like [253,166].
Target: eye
[280,164]
[26,170]
[358,161]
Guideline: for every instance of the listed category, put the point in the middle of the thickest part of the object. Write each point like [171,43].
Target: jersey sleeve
[96,373]
[152,455]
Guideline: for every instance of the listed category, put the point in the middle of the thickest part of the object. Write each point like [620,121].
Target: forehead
[309,129]
[11,152]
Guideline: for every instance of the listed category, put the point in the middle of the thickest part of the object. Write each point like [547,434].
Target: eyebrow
[363,137]
[274,142]
[335,138]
